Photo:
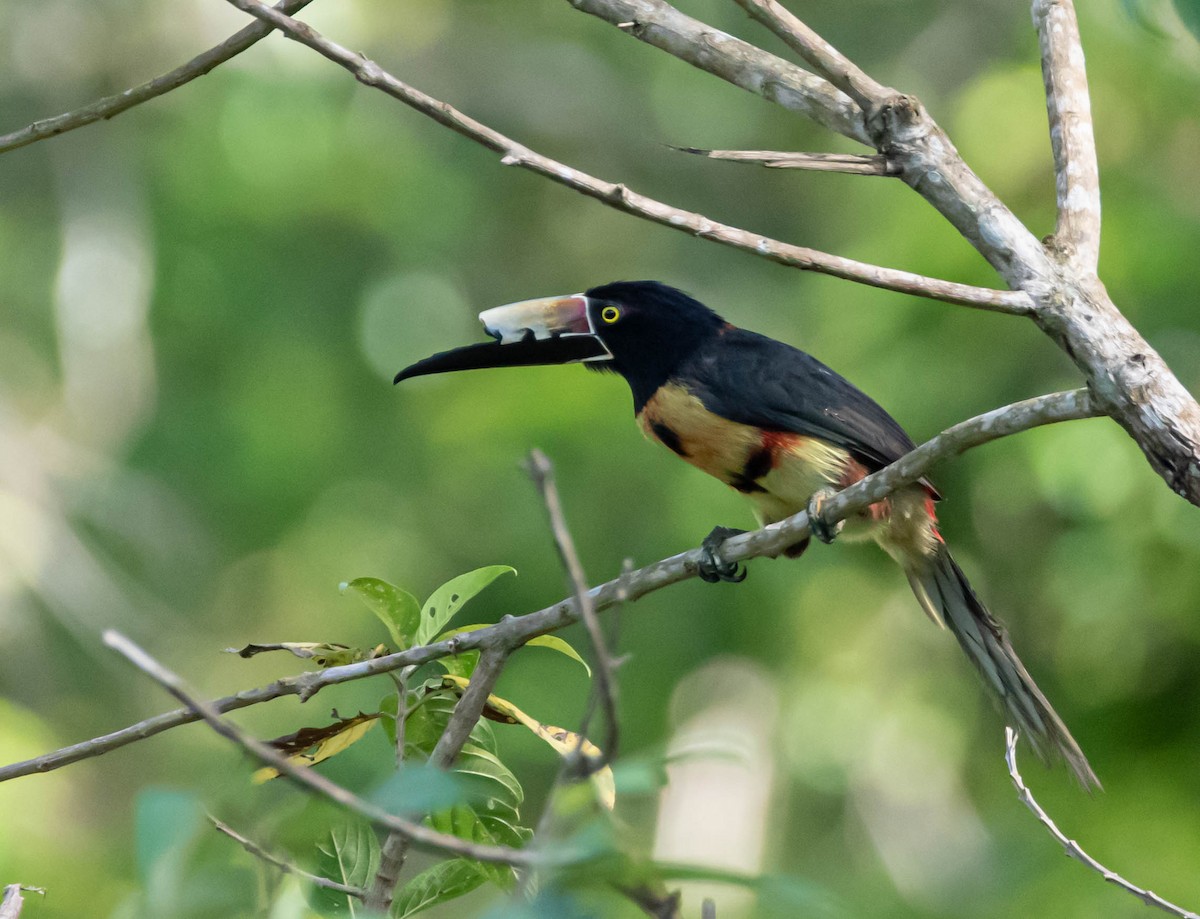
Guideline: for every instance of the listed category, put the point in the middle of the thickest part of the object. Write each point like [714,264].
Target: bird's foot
[712,567]
[826,532]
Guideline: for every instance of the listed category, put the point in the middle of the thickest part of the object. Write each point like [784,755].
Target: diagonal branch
[1071,847]
[111,106]
[542,472]
[418,833]
[852,163]
[623,199]
[285,866]
[1076,172]
[466,715]
[511,633]
[661,25]
[820,55]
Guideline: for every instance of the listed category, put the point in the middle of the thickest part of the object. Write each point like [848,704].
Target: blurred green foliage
[202,303]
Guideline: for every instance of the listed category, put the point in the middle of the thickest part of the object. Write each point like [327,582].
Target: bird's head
[642,330]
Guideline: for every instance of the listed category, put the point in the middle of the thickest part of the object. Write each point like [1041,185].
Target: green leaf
[444,881]
[427,721]
[350,855]
[450,597]
[464,822]
[388,706]
[463,664]
[554,643]
[419,788]
[489,780]
[1189,15]
[165,824]
[396,608]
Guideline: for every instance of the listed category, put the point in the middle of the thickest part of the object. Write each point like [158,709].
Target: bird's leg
[712,567]
[826,532]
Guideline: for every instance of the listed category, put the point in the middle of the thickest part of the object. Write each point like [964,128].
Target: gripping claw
[826,532]
[712,567]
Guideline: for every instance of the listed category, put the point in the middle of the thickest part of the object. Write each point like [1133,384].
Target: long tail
[944,592]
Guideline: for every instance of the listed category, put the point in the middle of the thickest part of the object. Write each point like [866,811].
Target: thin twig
[820,55]
[283,865]
[542,471]
[1076,171]
[620,197]
[111,106]
[1071,847]
[466,714]
[851,163]
[420,834]
[512,632]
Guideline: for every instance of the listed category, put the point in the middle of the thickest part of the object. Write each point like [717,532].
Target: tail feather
[943,589]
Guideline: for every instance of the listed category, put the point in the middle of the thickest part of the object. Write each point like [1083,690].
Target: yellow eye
[610,314]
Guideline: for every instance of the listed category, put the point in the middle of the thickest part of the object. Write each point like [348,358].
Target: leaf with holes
[396,608]
[444,881]
[450,597]
[309,746]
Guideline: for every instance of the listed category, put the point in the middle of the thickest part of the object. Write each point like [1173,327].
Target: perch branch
[512,632]
[1076,172]
[622,198]
[851,163]
[1070,846]
[111,106]
[285,866]
[1131,381]
[825,59]
[420,834]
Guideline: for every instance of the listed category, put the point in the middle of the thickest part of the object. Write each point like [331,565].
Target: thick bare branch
[282,864]
[622,198]
[421,835]
[825,59]
[740,63]
[513,632]
[1071,847]
[1076,171]
[851,163]
[1128,377]
[111,106]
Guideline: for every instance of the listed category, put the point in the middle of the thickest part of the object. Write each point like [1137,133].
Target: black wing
[755,380]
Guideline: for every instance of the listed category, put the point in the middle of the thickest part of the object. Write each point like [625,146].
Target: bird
[781,428]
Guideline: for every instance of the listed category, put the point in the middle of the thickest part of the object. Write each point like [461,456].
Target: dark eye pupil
[610,314]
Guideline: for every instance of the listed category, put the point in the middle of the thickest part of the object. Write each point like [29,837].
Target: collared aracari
[781,428]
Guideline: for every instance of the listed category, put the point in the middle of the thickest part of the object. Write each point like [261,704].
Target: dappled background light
[202,304]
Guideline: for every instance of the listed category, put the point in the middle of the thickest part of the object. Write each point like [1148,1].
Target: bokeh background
[202,303]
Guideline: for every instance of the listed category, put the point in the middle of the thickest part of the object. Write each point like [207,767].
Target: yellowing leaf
[309,746]
[563,741]
[322,654]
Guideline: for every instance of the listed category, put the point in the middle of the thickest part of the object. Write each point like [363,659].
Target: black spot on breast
[668,437]
[758,465]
